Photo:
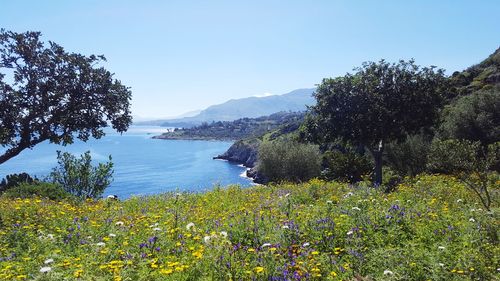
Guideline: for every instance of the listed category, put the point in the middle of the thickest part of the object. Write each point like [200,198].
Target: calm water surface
[142,165]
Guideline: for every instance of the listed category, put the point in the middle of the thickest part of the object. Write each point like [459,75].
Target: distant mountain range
[251,107]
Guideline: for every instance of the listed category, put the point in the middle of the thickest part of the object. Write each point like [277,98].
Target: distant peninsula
[234,130]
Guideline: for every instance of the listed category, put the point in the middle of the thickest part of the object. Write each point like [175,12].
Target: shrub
[78,177]
[283,160]
[40,189]
[468,161]
[13,180]
[409,157]
[474,117]
[346,165]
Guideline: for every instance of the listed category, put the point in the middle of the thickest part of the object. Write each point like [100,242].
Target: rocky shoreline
[244,152]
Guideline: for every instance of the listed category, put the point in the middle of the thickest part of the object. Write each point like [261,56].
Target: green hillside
[482,76]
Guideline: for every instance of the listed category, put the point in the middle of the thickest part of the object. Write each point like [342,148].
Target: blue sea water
[142,165]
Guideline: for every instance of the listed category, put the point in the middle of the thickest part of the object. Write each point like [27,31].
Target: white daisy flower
[206,239]
[388,272]
[189,226]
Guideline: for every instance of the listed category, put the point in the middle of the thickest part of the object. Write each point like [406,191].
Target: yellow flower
[78,273]
[198,254]
[259,269]
[315,253]
[333,273]
[166,271]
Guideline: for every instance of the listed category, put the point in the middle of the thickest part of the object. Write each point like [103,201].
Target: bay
[142,165]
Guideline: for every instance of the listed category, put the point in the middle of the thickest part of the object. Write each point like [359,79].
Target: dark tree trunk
[377,156]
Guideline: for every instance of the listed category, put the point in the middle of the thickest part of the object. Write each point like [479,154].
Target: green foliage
[13,180]
[475,117]
[37,189]
[408,158]
[381,102]
[286,160]
[54,95]
[346,166]
[79,177]
[451,156]
[470,162]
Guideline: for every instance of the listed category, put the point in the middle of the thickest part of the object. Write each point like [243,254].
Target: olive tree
[47,93]
[379,103]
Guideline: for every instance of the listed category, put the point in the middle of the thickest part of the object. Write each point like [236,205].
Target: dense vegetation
[386,115]
[238,129]
[432,227]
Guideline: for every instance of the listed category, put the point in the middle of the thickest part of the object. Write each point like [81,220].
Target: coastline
[163,137]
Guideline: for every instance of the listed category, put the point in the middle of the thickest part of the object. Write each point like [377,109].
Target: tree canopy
[379,103]
[47,93]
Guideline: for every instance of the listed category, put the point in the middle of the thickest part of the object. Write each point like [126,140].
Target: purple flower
[153,240]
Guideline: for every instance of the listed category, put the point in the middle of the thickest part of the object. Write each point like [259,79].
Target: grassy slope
[431,228]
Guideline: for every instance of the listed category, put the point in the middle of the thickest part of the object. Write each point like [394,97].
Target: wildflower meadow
[430,228]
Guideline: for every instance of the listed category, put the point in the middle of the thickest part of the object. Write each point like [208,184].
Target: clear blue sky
[179,56]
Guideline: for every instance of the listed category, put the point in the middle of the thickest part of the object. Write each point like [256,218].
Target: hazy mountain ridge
[251,107]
